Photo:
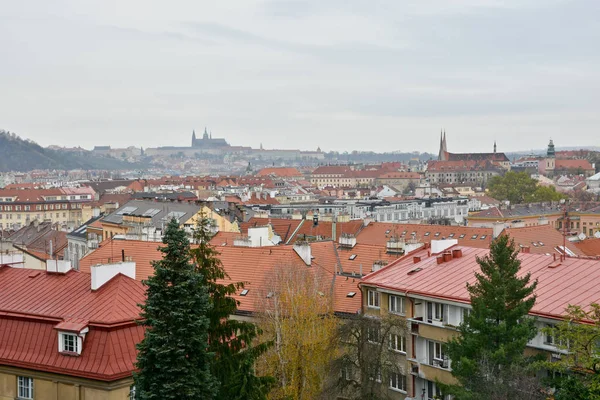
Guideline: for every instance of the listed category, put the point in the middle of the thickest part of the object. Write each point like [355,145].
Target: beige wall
[48,386]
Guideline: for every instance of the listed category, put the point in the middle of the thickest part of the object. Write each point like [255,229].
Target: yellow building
[19,207]
[427,290]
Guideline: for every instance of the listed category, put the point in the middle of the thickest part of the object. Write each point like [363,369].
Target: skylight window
[541,243]
[126,210]
[244,292]
[534,244]
[427,233]
[437,234]
[270,294]
[352,257]
[462,236]
[474,237]
[388,232]
[414,271]
[151,212]
[351,294]
[483,237]
[451,235]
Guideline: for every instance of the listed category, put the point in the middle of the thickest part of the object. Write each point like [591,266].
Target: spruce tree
[173,358]
[230,340]
[487,354]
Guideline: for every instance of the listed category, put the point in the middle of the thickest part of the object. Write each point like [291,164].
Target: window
[346,372]
[373,333]
[375,373]
[436,312]
[397,305]
[465,312]
[373,299]
[398,343]
[132,393]
[398,381]
[434,392]
[69,343]
[550,338]
[25,387]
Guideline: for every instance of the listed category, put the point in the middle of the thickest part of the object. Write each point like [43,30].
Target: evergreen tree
[173,359]
[487,354]
[230,340]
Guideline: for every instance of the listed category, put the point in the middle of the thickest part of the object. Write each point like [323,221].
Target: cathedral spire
[494,147]
[193,137]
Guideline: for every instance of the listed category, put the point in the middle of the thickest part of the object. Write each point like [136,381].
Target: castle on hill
[207,141]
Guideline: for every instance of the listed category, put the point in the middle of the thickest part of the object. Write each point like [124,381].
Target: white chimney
[438,246]
[103,273]
[58,266]
[497,228]
[304,251]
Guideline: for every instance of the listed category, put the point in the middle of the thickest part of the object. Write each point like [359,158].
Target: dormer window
[70,337]
[70,343]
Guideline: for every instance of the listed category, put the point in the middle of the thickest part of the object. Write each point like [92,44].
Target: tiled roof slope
[34,303]
[324,229]
[589,247]
[255,266]
[365,255]
[572,281]
[282,227]
[541,239]
[378,233]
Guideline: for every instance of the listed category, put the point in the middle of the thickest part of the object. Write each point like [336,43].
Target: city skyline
[341,76]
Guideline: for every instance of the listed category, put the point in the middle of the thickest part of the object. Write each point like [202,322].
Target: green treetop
[173,358]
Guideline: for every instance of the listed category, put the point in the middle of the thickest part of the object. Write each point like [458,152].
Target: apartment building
[19,207]
[462,172]
[427,290]
[66,335]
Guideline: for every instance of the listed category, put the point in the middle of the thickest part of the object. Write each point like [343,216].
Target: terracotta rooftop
[286,172]
[378,233]
[589,247]
[572,281]
[541,239]
[243,264]
[285,228]
[324,230]
[33,304]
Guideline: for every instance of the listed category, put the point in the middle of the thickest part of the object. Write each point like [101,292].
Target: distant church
[207,141]
[496,158]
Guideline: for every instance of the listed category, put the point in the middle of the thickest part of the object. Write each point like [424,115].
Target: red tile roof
[572,281]
[365,256]
[33,304]
[243,264]
[589,247]
[541,239]
[378,233]
[573,164]
[324,229]
[280,172]
[282,227]
[331,170]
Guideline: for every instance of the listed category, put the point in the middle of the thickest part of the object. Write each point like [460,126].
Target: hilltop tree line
[194,349]
[17,154]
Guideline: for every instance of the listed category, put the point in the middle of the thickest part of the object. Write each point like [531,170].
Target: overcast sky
[339,74]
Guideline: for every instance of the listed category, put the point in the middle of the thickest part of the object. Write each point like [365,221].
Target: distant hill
[17,154]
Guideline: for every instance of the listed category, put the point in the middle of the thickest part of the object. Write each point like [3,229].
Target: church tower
[494,147]
[205,136]
[550,159]
[193,137]
[442,156]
